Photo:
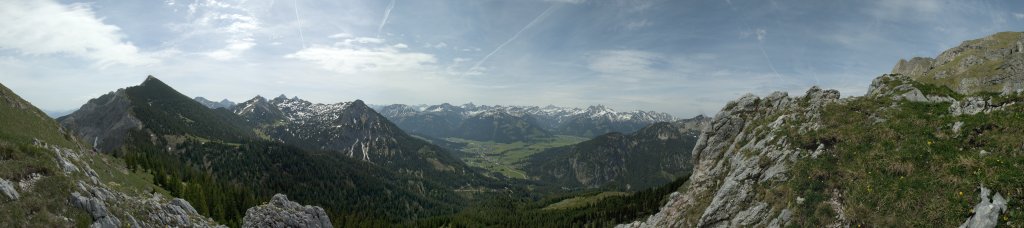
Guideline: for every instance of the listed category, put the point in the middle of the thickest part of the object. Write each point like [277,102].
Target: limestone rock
[97,209]
[104,121]
[280,212]
[986,212]
[7,188]
[915,66]
[734,157]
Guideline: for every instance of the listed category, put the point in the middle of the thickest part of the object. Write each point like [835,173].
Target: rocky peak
[153,81]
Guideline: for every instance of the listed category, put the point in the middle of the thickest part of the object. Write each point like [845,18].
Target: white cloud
[42,27]
[624,62]
[364,54]
[1018,15]
[233,23]
[761,33]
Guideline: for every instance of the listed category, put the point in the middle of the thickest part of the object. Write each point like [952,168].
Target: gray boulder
[97,209]
[986,212]
[280,212]
[7,188]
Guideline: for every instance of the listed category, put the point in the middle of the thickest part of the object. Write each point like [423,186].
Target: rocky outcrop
[975,105]
[95,206]
[987,211]
[994,64]
[7,188]
[735,155]
[104,121]
[111,208]
[280,212]
[915,66]
[901,87]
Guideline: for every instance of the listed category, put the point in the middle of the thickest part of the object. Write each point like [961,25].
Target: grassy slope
[504,158]
[910,170]
[46,201]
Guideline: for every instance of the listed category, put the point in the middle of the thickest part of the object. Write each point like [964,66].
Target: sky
[680,57]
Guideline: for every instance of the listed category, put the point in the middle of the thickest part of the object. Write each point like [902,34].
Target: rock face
[987,211]
[990,64]
[735,155]
[280,212]
[7,188]
[103,121]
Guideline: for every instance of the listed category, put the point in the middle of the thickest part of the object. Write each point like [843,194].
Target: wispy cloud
[539,18]
[624,62]
[365,54]
[387,14]
[43,27]
[1018,15]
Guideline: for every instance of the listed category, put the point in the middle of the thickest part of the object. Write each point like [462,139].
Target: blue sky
[681,57]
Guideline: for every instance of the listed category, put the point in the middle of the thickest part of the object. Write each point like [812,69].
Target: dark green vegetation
[904,158]
[526,212]
[165,111]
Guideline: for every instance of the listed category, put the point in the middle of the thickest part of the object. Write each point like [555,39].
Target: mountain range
[155,127]
[934,143]
[518,122]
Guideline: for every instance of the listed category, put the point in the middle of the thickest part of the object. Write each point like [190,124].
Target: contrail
[770,64]
[387,13]
[535,20]
[298,23]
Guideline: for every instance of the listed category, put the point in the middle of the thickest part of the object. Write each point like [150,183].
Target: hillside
[47,180]
[500,127]
[650,157]
[912,152]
